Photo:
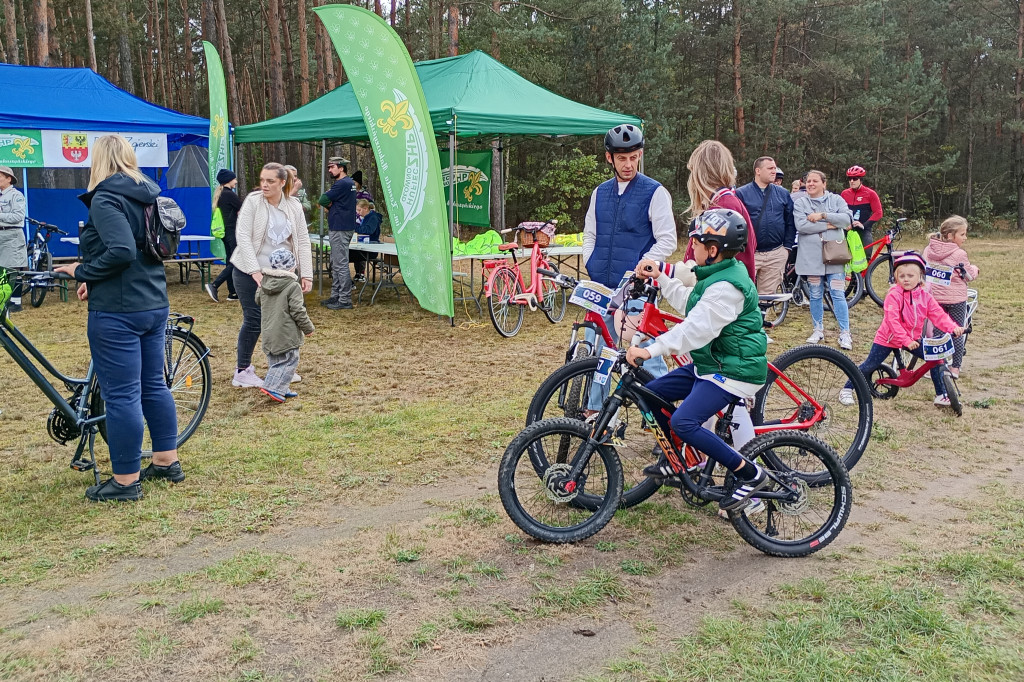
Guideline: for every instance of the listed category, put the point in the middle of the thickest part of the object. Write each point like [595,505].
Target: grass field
[355,531]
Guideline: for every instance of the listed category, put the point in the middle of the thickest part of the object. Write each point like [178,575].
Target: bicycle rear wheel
[555,298]
[952,392]
[818,373]
[187,371]
[775,313]
[506,315]
[41,262]
[541,505]
[566,393]
[878,278]
[802,526]
[854,289]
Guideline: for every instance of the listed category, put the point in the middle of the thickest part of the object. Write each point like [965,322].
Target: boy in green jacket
[723,334]
[284,322]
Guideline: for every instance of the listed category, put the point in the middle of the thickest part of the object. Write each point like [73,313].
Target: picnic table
[189,256]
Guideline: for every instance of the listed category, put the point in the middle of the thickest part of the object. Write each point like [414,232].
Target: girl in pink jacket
[946,247]
[907,307]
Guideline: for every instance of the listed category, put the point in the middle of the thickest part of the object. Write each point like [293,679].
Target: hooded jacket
[837,219]
[904,314]
[119,277]
[284,319]
[949,254]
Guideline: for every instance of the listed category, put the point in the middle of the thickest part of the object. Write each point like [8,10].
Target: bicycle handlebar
[46,226]
[564,281]
[45,273]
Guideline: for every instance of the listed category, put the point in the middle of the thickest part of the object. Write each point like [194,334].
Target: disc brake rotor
[554,476]
[803,500]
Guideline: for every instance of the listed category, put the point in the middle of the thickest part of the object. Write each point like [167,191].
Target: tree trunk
[303,53]
[289,64]
[377,8]
[124,58]
[1018,138]
[209,21]
[190,79]
[495,45]
[453,30]
[737,82]
[90,37]
[54,49]
[154,29]
[229,62]
[11,32]
[716,99]
[277,92]
[321,56]
[408,21]
[393,18]
[41,27]
[328,54]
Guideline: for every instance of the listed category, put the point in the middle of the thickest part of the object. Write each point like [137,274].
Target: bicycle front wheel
[555,298]
[878,278]
[506,315]
[41,262]
[187,372]
[811,374]
[775,313]
[546,506]
[952,392]
[814,516]
[854,289]
[567,392]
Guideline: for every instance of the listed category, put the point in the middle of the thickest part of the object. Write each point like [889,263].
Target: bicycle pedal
[83,464]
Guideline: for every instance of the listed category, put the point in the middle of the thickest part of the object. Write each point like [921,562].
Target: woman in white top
[270,219]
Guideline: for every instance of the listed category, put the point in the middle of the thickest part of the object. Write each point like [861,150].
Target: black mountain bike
[82,414]
[40,260]
[580,484]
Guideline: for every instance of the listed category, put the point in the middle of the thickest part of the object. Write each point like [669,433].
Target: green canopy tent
[472,95]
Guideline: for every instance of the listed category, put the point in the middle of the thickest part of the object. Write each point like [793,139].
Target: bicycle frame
[531,295]
[907,376]
[884,243]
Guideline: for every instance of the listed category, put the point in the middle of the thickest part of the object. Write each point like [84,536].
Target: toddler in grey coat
[284,322]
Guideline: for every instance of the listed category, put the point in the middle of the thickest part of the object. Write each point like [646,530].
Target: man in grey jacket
[13,252]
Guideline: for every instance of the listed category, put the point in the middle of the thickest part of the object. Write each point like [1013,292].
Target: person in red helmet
[864,203]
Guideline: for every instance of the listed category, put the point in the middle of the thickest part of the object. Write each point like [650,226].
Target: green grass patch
[245,568]
[425,635]
[594,587]
[359,619]
[199,607]
[472,620]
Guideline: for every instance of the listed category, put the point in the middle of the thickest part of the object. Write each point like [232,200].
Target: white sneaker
[756,506]
[246,378]
[770,339]
[941,400]
[846,340]
[846,397]
[296,378]
[817,337]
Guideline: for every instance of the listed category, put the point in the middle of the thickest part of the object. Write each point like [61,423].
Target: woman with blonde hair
[270,219]
[127,294]
[712,185]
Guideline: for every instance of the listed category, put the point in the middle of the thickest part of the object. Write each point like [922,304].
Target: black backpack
[163,226]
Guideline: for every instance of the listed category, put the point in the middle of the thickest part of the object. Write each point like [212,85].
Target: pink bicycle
[507,294]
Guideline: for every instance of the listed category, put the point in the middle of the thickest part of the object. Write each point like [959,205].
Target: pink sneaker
[246,378]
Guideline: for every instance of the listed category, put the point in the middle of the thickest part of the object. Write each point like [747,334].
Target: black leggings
[958,312]
[249,334]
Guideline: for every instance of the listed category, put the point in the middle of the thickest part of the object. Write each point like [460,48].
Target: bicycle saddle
[774,298]
[508,247]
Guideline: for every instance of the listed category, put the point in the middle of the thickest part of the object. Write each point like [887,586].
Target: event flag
[218,152]
[397,120]
[472,186]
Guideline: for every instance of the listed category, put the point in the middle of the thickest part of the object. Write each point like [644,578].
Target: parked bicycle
[82,414]
[880,273]
[507,294]
[776,309]
[800,394]
[580,482]
[40,260]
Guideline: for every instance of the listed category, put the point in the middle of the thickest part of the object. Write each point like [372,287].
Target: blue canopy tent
[80,100]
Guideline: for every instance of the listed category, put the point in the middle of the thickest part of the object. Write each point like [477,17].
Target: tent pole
[501,184]
[24,224]
[323,190]
[451,183]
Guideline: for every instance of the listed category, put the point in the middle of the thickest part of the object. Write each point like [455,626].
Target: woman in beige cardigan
[270,219]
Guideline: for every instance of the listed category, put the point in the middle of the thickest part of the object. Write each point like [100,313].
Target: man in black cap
[13,252]
[340,200]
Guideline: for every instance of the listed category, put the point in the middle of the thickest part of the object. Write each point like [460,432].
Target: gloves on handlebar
[681,271]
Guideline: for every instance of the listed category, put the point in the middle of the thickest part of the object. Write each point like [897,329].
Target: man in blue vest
[629,219]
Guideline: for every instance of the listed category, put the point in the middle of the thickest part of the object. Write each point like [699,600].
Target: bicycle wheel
[775,313]
[506,315]
[187,371]
[566,393]
[952,392]
[878,278]
[818,373]
[540,505]
[805,525]
[555,298]
[883,391]
[854,289]
[41,262]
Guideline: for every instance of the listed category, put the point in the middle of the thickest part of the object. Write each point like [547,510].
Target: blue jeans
[128,352]
[878,355]
[656,366]
[701,399]
[842,313]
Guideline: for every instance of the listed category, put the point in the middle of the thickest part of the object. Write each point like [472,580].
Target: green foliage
[359,619]
[562,191]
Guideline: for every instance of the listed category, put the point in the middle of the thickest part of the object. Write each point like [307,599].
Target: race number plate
[938,274]
[592,296]
[938,348]
[605,364]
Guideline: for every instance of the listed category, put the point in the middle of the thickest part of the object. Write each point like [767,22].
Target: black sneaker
[743,490]
[660,469]
[112,491]
[232,297]
[337,305]
[172,472]
[328,301]
[212,292]
[359,278]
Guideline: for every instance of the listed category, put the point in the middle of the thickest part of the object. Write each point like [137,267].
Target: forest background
[925,94]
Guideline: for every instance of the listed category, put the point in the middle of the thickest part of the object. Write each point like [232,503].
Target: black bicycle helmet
[623,139]
[722,226]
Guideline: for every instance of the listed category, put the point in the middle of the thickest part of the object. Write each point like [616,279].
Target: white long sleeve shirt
[663,225]
[719,305]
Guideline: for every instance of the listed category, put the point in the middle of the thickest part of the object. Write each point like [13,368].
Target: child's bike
[580,481]
[880,273]
[886,381]
[507,294]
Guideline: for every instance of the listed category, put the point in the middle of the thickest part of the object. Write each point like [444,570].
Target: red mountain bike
[880,274]
[801,393]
